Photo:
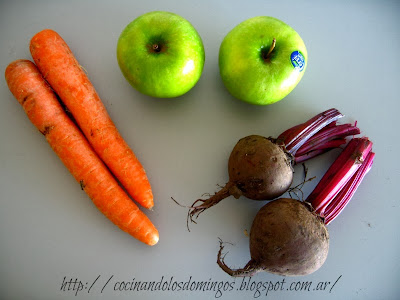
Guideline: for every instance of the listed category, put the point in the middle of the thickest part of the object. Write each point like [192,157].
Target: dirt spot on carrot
[24,99]
[46,130]
[82,183]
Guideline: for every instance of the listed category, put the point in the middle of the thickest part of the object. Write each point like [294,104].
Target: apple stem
[266,56]
[156,48]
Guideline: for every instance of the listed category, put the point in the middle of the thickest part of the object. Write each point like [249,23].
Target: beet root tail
[201,205]
[248,270]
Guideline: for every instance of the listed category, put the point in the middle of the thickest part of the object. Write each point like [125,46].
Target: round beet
[260,169]
[286,238]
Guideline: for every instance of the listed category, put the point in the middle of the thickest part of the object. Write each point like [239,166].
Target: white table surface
[50,231]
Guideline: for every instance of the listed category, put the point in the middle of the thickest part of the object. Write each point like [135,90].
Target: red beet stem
[347,192]
[324,148]
[326,138]
[328,196]
[297,136]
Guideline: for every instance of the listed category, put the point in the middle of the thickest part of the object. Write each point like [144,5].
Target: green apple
[161,54]
[261,60]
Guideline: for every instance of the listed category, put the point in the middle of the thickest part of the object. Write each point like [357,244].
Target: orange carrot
[60,68]
[46,113]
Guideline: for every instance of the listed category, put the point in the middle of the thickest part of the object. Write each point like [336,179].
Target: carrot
[60,68]
[46,113]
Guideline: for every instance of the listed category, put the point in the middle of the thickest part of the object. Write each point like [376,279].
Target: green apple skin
[250,77]
[161,54]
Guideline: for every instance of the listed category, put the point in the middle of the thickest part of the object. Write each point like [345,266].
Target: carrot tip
[154,240]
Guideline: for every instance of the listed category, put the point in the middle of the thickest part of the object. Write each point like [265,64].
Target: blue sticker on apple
[298,60]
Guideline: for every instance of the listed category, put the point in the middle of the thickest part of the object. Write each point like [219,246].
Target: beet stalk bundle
[289,237]
[261,168]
